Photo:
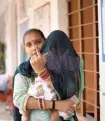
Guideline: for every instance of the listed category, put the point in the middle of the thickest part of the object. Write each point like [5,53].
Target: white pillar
[59,18]
[10,38]
[20,10]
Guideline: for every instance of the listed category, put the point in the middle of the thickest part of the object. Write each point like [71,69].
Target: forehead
[32,36]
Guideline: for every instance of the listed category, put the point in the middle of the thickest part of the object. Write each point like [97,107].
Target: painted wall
[57,9]
[58,20]
[58,13]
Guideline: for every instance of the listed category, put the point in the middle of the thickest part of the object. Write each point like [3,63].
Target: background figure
[4,83]
[6,90]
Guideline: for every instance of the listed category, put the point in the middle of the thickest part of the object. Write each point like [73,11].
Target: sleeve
[20,95]
[82,79]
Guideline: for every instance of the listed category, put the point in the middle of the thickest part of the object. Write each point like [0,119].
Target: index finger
[38,52]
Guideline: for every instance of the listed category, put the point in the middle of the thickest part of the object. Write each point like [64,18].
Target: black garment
[16,114]
[63,64]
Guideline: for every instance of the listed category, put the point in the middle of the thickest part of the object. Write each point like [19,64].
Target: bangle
[53,104]
[47,78]
[45,75]
[41,104]
[41,71]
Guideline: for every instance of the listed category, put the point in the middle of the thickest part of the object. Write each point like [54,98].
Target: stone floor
[87,118]
[5,115]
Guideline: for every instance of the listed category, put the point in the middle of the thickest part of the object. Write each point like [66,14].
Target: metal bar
[81,9]
[91,105]
[85,38]
[86,53]
[92,89]
[91,71]
[83,25]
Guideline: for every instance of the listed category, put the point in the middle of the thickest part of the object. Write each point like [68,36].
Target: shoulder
[19,76]
[21,80]
[25,68]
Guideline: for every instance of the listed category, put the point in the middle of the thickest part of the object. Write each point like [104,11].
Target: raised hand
[38,61]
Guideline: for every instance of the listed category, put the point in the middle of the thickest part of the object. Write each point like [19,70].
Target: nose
[34,46]
[33,49]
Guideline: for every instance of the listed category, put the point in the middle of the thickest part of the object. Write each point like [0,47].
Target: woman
[60,75]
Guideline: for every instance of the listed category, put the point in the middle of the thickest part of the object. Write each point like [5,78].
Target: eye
[28,44]
[38,42]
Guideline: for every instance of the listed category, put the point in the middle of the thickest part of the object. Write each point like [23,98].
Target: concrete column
[59,18]
[20,9]
[10,37]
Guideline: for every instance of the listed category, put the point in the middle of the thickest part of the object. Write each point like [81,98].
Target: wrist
[44,74]
[48,104]
[53,104]
[57,105]
[39,71]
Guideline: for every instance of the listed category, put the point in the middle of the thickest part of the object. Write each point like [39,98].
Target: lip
[33,53]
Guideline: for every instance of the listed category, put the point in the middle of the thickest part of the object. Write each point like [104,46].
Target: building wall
[57,17]
[58,13]
[58,20]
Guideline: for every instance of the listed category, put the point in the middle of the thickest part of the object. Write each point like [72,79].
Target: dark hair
[34,31]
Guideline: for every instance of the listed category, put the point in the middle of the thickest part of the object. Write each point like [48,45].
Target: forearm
[60,105]
[32,103]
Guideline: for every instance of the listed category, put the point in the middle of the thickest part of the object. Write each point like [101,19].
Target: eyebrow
[27,42]
[34,40]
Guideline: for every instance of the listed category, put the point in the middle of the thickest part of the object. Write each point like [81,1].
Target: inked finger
[38,52]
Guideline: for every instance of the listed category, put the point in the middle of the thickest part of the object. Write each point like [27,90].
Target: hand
[64,105]
[73,107]
[38,61]
[71,110]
